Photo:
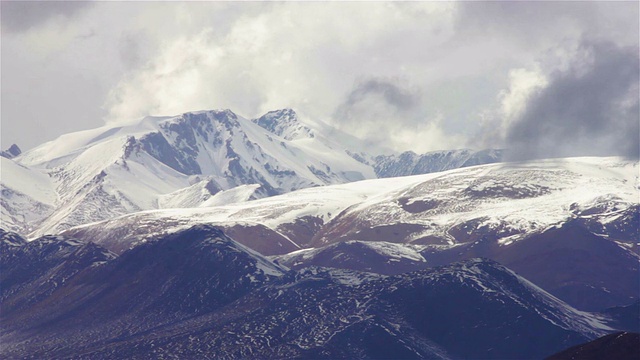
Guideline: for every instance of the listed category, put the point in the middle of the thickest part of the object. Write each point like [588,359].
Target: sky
[542,79]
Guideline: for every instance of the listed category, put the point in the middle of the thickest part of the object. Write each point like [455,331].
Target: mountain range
[553,221]
[209,235]
[197,293]
[195,159]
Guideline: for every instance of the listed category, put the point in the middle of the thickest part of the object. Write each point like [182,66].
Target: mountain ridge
[544,219]
[114,170]
[117,308]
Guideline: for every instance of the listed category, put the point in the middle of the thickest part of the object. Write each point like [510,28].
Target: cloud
[129,49]
[400,99]
[418,73]
[589,109]
[534,24]
[511,103]
[286,55]
[21,16]
[297,55]
[393,113]
[376,105]
[415,75]
[190,75]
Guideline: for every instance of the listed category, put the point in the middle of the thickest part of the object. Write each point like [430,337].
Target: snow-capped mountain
[179,161]
[285,124]
[410,163]
[27,196]
[197,293]
[184,161]
[509,200]
[294,217]
[511,212]
[210,235]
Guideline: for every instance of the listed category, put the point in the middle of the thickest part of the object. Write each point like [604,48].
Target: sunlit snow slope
[447,208]
[27,196]
[183,161]
[577,217]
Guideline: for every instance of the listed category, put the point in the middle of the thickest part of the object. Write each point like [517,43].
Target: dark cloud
[535,21]
[590,109]
[392,93]
[521,17]
[389,95]
[20,16]
[377,108]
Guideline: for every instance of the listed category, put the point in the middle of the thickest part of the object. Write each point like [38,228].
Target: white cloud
[301,55]
[523,83]
[424,136]
[458,61]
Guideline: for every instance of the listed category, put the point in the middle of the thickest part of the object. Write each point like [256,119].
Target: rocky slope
[197,293]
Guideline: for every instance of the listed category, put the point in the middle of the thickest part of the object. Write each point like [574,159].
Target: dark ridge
[625,318]
[620,346]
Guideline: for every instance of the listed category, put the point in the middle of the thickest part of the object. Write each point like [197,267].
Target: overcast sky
[540,78]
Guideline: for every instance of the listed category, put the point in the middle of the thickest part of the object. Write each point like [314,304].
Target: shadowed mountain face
[150,278]
[197,293]
[588,271]
[614,346]
[31,271]
[625,317]
[10,239]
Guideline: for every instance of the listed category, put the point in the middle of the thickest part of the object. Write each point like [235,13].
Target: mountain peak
[284,123]
[283,112]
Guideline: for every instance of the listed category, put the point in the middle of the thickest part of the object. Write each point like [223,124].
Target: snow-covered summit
[114,170]
[284,123]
